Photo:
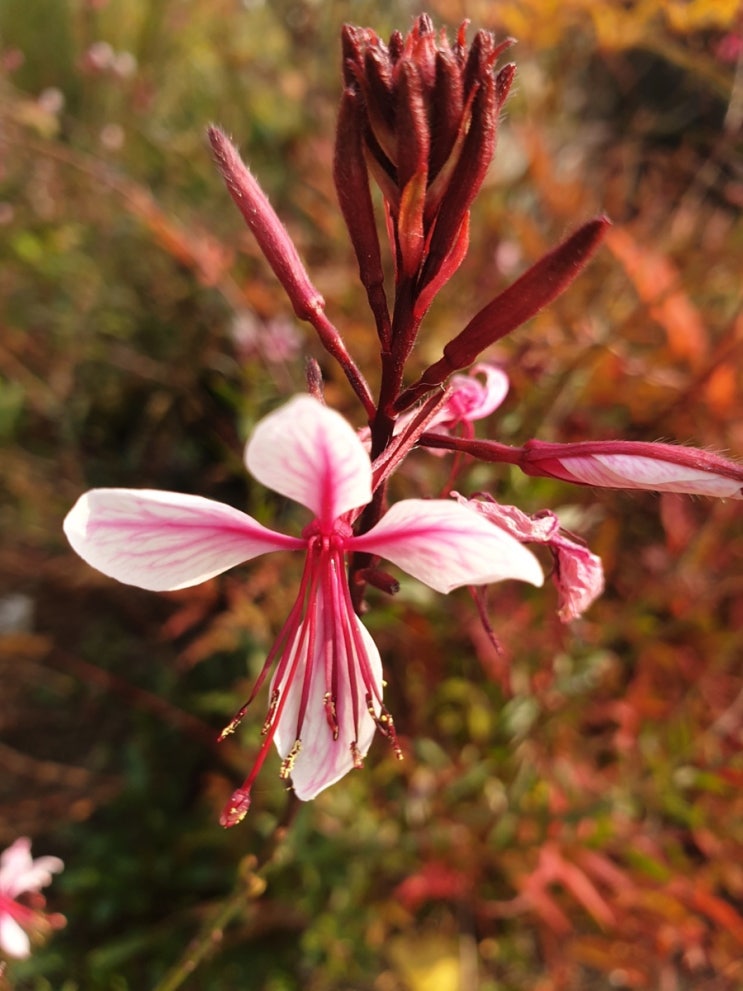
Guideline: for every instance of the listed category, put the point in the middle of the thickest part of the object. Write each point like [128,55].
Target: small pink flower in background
[730,47]
[21,875]
[276,341]
[326,691]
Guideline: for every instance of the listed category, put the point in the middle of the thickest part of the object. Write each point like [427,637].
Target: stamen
[345,639]
[358,650]
[385,724]
[233,723]
[289,648]
[330,662]
[272,706]
[358,760]
[307,638]
[370,708]
[330,713]
[289,761]
[236,809]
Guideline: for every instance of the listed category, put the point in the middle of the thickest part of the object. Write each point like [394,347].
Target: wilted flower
[21,875]
[578,574]
[326,691]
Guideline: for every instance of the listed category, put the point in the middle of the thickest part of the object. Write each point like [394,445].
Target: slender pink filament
[323,608]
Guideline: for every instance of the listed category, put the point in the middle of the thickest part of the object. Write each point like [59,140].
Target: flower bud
[426,114]
[635,465]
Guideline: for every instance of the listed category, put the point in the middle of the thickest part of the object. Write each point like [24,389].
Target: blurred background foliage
[569,814]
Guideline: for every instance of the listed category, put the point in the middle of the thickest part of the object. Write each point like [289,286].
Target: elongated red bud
[279,251]
[537,287]
[263,221]
[352,186]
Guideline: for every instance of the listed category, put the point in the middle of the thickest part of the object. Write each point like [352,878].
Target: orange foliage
[658,285]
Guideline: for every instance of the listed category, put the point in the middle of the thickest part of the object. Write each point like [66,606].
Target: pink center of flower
[21,913]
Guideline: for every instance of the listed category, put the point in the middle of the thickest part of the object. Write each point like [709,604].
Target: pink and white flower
[20,875]
[469,398]
[326,690]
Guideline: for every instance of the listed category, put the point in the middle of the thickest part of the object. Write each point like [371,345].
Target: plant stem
[250,886]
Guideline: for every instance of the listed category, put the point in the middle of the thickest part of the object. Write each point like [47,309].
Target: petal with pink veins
[445,545]
[163,540]
[311,454]
[322,759]
[631,471]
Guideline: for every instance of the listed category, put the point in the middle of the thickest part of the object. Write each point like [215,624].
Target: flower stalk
[419,117]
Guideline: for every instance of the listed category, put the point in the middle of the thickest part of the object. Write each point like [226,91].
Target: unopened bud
[636,465]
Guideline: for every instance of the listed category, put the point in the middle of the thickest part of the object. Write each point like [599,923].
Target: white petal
[164,540]
[323,760]
[446,545]
[636,471]
[13,939]
[37,875]
[15,863]
[309,453]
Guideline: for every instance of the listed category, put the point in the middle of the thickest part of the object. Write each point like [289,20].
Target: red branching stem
[333,344]
[404,331]
[401,445]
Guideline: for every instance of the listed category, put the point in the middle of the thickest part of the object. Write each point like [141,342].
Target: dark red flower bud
[428,113]
[539,285]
